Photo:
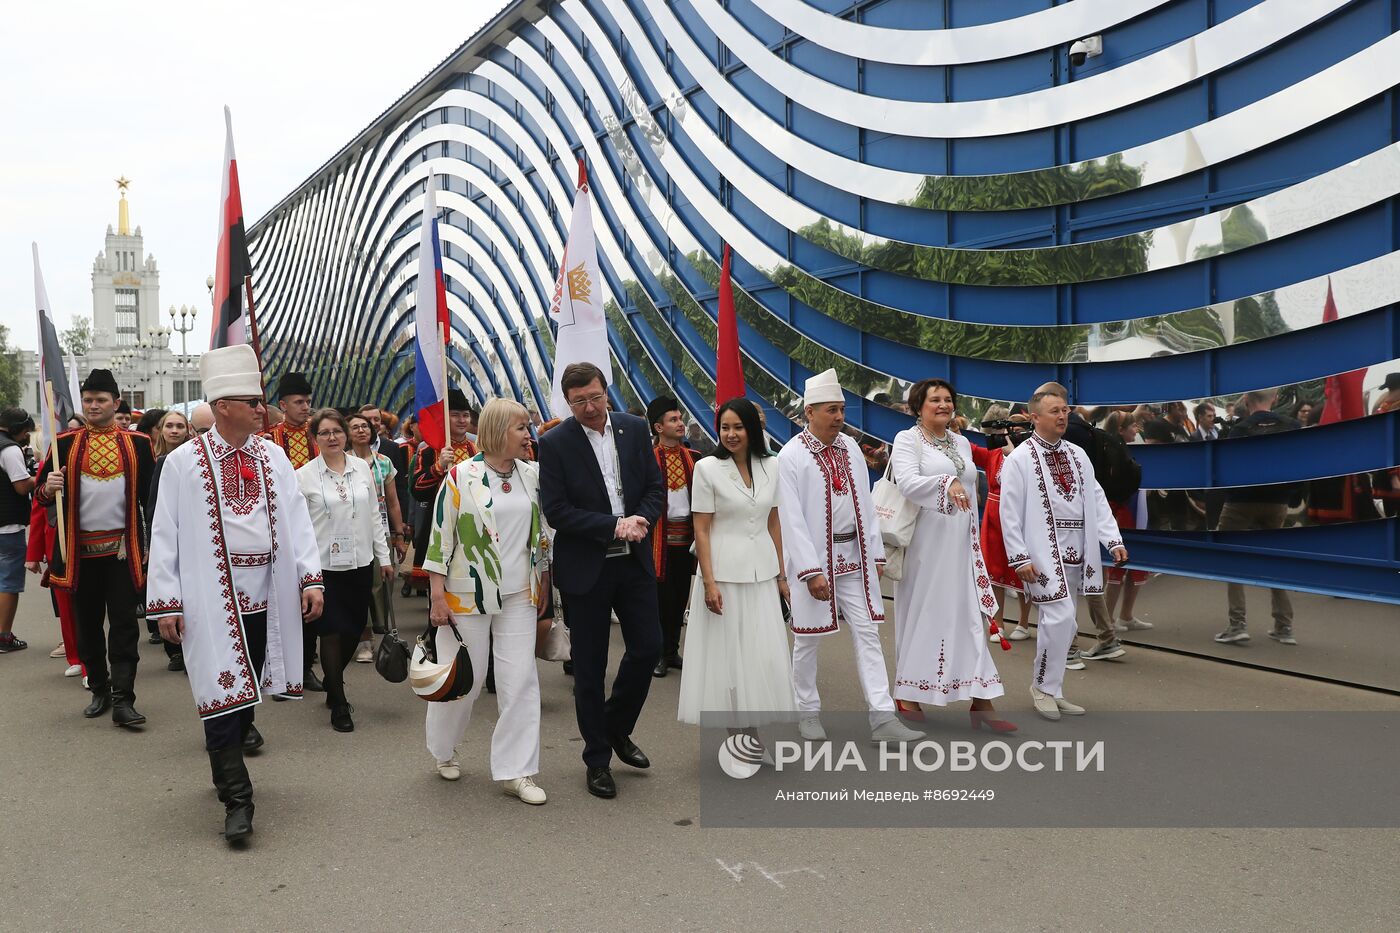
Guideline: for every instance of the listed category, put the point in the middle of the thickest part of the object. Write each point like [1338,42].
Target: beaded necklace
[946,446]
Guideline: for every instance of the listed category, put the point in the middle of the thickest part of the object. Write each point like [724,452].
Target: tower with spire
[125,286]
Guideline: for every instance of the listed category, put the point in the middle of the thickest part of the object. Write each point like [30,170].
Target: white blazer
[741,549]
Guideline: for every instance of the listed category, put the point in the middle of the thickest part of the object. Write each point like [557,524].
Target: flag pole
[52,428]
[446,414]
[257,344]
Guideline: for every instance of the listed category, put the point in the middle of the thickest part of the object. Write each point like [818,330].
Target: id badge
[342,552]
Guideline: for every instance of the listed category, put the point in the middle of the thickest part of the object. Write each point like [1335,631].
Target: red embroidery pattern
[164,607]
[804,574]
[1061,469]
[1062,590]
[226,680]
[843,567]
[311,579]
[249,693]
[834,461]
[241,489]
[939,685]
[248,605]
[1072,555]
[250,560]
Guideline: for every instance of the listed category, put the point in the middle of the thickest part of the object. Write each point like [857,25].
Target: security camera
[1084,49]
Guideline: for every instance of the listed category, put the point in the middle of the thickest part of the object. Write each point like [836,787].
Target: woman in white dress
[941,604]
[737,662]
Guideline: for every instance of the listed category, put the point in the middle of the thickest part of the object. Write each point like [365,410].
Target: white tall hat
[230,371]
[822,388]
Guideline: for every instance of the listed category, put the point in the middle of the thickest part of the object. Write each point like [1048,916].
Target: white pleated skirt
[738,669]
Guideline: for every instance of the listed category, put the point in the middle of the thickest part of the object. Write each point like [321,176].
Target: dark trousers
[228,730]
[105,590]
[673,597]
[630,591]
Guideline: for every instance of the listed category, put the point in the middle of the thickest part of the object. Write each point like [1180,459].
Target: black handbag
[391,657]
[441,681]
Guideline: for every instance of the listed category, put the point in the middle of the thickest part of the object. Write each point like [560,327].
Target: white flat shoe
[1068,708]
[1019,633]
[526,789]
[810,728]
[449,770]
[73,670]
[894,731]
[1045,704]
[59,652]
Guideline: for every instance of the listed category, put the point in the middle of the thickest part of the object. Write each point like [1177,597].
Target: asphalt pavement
[104,829]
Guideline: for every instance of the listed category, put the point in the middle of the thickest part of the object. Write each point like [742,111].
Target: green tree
[77,339]
[9,370]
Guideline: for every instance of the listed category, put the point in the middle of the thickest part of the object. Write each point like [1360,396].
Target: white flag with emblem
[577,307]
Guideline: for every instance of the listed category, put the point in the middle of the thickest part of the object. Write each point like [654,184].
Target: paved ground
[103,829]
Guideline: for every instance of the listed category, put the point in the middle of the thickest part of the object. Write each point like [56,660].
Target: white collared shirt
[344,504]
[605,450]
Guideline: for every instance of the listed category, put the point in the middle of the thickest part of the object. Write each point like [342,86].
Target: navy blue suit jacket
[575,501]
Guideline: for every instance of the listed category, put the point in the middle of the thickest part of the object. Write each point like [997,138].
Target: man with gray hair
[1054,516]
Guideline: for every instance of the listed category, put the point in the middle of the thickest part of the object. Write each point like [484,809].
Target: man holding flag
[444,418]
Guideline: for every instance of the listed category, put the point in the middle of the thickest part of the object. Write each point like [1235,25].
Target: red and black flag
[233,270]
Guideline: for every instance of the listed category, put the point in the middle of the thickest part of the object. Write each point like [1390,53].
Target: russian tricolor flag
[431,323]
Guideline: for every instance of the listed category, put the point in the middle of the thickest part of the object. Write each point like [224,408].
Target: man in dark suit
[601,490]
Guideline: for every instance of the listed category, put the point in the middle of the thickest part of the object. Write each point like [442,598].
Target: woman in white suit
[737,662]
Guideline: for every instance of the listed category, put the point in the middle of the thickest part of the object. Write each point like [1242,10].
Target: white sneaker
[1019,633]
[1045,704]
[1068,708]
[366,653]
[893,730]
[526,789]
[449,770]
[810,728]
[1073,661]
[1132,625]
[73,670]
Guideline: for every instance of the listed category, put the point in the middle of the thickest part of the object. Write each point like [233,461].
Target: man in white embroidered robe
[833,550]
[234,572]
[1051,504]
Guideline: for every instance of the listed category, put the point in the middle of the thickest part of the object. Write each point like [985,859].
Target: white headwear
[230,371]
[822,388]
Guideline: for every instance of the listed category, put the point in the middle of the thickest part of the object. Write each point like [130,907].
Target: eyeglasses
[589,402]
[253,403]
[331,432]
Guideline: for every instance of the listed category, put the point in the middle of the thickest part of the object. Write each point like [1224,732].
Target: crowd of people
[261,541]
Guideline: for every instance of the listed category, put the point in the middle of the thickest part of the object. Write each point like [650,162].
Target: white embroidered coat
[1028,520]
[804,509]
[191,574]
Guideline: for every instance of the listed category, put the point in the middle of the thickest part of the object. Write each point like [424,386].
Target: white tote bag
[896,513]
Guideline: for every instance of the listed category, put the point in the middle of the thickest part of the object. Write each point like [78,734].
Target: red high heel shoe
[911,713]
[987,718]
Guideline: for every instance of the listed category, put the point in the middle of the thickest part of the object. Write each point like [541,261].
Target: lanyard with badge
[342,545]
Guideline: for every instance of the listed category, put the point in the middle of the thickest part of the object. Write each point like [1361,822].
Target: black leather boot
[124,696]
[311,683]
[235,792]
[101,701]
[252,739]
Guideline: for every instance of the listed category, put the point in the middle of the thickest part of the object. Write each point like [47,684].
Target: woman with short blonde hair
[493,426]
[487,561]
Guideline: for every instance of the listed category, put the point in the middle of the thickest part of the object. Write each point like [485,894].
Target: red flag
[1343,392]
[729,375]
[233,270]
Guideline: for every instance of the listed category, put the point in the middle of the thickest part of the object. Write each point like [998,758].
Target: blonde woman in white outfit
[487,564]
[736,663]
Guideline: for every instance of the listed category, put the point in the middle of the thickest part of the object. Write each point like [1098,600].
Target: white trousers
[849,593]
[1056,629]
[510,636]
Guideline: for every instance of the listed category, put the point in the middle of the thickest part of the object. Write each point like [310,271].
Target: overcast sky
[89,92]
